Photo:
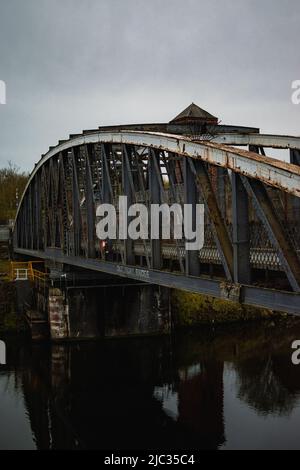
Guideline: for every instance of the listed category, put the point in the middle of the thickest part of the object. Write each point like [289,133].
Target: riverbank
[10,321]
[194,309]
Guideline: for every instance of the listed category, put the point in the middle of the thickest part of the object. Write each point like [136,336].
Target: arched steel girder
[275,173]
[250,172]
[259,140]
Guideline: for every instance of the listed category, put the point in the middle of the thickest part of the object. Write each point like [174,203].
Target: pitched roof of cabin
[194,112]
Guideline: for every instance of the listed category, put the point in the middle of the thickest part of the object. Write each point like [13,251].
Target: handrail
[24,270]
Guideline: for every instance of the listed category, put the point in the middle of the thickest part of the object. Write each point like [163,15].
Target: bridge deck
[272,299]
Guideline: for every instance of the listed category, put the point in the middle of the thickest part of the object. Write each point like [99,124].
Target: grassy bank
[193,309]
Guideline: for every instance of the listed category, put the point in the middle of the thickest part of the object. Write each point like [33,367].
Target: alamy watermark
[2,353]
[296,354]
[2,92]
[166,222]
[296,92]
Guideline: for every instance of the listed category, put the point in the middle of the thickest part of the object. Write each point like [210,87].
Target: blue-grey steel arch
[73,177]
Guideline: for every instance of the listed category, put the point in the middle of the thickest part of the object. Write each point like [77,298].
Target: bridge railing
[27,271]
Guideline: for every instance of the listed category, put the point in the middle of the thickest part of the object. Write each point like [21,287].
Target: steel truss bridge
[252,210]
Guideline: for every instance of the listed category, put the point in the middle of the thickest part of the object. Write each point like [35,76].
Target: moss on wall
[190,309]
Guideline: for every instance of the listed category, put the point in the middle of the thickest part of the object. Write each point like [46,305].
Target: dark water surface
[229,389]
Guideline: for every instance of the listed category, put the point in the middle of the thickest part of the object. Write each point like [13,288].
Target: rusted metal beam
[90,204]
[77,222]
[222,174]
[295,157]
[56,202]
[107,189]
[65,206]
[268,170]
[278,236]
[140,182]
[155,184]
[107,192]
[221,235]
[191,196]
[30,228]
[241,232]
[170,169]
[51,205]
[128,190]
[37,210]
[259,140]
[45,189]
[295,160]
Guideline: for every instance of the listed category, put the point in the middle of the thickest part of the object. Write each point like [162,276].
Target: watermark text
[296,92]
[296,354]
[2,353]
[162,222]
[2,92]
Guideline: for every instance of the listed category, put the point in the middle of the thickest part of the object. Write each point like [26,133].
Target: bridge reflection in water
[197,390]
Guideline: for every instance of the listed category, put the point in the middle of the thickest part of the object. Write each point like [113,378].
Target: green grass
[192,309]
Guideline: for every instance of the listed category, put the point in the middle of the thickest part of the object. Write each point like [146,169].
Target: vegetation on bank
[12,185]
[10,321]
[192,309]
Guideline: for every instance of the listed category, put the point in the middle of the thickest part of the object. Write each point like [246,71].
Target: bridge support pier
[58,314]
[138,310]
[93,308]
[94,312]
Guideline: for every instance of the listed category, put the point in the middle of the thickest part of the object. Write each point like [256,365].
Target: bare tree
[12,184]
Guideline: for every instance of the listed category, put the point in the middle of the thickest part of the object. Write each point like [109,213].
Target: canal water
[232,388]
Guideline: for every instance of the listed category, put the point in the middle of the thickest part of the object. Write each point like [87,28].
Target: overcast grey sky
[71,65]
